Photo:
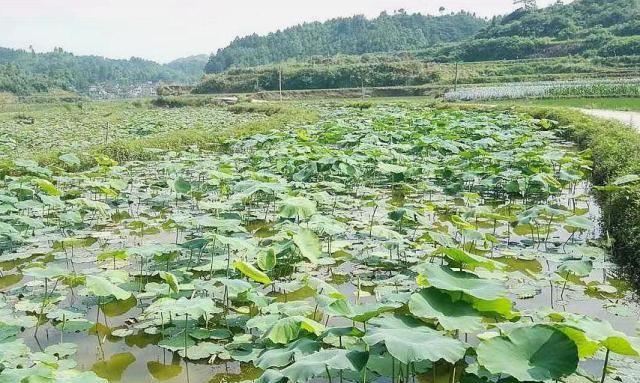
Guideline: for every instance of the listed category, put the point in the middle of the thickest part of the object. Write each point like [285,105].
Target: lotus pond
[25,129]
[391,244]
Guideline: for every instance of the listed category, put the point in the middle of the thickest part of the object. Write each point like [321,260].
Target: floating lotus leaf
[288,329]
[409,341]
[446,279]
[297,207]
[102,287]
[318,363]
[580,268]
[280,357]
[450,313]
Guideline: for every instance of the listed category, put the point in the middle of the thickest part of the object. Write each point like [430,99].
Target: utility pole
[363,94]
[280,82]
[455,85]
[106,134]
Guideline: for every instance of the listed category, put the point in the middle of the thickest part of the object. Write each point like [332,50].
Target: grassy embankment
[413,73]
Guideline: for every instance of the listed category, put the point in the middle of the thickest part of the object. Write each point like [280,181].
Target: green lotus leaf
[603,333]
[182,186]
[201,351]
[358,313]
[171,280]
[410,341]
[288,329]
[251,272]
[444,278]
[391,168]
[266,259]
[580,268]
[297,207]
[70,159]
[49,272]
[624,180]
[177,342]
[579,222]
[319,363]
[47,187]
[463,257]
[530,354]
[62,350]
[12,351]
[280,357]
[451,314]
[308,244]
[74,325]
[101,287]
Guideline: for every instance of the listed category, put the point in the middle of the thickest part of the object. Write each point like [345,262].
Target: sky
[163,30]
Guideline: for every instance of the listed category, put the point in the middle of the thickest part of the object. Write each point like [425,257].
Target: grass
[623,103]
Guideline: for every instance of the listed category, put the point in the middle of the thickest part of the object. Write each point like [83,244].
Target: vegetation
[382,241]
[58,128]
[385,71]
[552,89]
[23,72]
[192,65]
[355,35]
[617,103]
[615,151]
[588,27]
[577,19]
[586,37]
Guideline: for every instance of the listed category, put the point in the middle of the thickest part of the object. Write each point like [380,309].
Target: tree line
[25,72]
[583,26]
[399,31]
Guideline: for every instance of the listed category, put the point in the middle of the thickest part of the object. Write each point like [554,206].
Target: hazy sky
[166,29]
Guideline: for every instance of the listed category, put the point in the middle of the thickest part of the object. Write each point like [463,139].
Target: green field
[629,104]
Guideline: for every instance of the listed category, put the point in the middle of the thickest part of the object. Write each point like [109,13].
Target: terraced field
[394,243]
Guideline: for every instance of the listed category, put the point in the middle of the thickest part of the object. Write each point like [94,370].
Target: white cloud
[166,29]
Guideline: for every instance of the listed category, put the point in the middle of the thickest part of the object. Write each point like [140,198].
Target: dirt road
[629,118]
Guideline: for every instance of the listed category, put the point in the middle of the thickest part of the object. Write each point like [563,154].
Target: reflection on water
[113,368]
[164,372]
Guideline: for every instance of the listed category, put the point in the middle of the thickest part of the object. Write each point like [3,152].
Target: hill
[23,72]
[579,19]
[192,65]
[574,40]
[354,35]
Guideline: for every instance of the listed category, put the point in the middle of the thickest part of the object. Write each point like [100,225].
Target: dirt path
[629,118]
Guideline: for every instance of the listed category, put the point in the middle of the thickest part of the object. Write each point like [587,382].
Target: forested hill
[24,72]
[354,35]
[578,19]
